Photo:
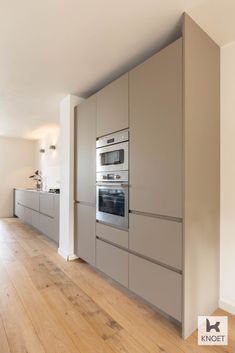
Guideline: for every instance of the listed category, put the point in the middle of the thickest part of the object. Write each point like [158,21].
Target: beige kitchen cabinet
[158,239]
[85,152]
[85,232]
[171,257]
[113,261]
[156,140]
[156,284]
[113,235]
[40,210]
[112,107]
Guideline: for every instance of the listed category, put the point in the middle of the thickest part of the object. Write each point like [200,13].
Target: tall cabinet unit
[201,174]
[85,137]
[170,256]
[155,90]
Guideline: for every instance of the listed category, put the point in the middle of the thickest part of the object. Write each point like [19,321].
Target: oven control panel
[115,176]
[117,137]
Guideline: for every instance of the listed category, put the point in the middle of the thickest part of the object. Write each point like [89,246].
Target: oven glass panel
[112,157]
[112,201]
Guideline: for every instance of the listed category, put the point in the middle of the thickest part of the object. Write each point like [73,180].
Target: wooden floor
[48,305]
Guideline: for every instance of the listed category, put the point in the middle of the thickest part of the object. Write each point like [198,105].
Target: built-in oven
[112,198]
[112,152]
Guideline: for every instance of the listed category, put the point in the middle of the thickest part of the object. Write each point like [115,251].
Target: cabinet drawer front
[47,204]
[27,215]
[114,235]
[156,238]
[35,219]
[46,226]
[112,261]
[34,201]
[158,285]
[19,211]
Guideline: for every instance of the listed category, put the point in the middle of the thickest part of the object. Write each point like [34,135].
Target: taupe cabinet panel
[114,235]
[112,261]
[85,150]
[47,205]
[158,239]
[112,107]
[156,284]
[40,210]
[85,233]
[156,133]
[202,174]
[46,226]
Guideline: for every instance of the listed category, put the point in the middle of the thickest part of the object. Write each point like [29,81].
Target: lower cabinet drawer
[27,215]
[114,235]
[35,219]
[156,284]
[158,239]
[112,261]
[46,226]
[19,211]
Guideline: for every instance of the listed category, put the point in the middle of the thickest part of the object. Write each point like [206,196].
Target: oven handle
[113,184]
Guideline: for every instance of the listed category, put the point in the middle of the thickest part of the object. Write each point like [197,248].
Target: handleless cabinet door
[34,201]
[157,239]
[156,133]
[112,107]
[47,206]
[113,261]
[85,149]
[85,233]
[158,285]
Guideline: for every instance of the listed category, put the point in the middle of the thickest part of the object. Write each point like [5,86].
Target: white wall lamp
[52,147]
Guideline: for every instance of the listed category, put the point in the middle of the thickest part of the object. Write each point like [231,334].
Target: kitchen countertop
[38,191]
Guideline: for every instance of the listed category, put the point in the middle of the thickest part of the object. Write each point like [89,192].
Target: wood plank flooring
[48,305]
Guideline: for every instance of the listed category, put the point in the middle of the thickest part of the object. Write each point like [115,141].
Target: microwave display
[112,157]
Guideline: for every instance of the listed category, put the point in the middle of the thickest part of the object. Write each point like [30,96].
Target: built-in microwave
[112,152]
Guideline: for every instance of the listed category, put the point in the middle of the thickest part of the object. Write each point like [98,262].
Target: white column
[66,241]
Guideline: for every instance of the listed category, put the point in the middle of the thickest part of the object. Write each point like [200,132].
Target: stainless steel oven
[112,205]
[112,152]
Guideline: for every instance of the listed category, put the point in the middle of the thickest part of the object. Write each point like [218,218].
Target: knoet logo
[213,330]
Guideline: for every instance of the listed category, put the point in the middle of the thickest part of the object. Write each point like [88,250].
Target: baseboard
[67,257]
[227,306]
[72,257]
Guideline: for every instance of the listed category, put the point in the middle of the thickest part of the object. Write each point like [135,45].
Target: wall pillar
[66,240]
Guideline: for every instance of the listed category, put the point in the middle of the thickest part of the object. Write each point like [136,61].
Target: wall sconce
[42,150]
[52,147]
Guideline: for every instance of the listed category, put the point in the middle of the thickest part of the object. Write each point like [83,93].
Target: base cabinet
[158,285]
[85,233]
[40,210]
[112,261]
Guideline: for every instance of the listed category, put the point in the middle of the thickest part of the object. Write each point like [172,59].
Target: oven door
[112,158]
[112,204]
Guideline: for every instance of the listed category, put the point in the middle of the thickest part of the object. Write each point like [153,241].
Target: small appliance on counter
[54,191]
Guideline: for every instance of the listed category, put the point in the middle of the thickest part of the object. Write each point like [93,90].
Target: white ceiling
[50,48]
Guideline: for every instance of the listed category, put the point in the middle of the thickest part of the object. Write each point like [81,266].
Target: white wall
[66,247]
[49,162]
[227,231]
[17,163]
